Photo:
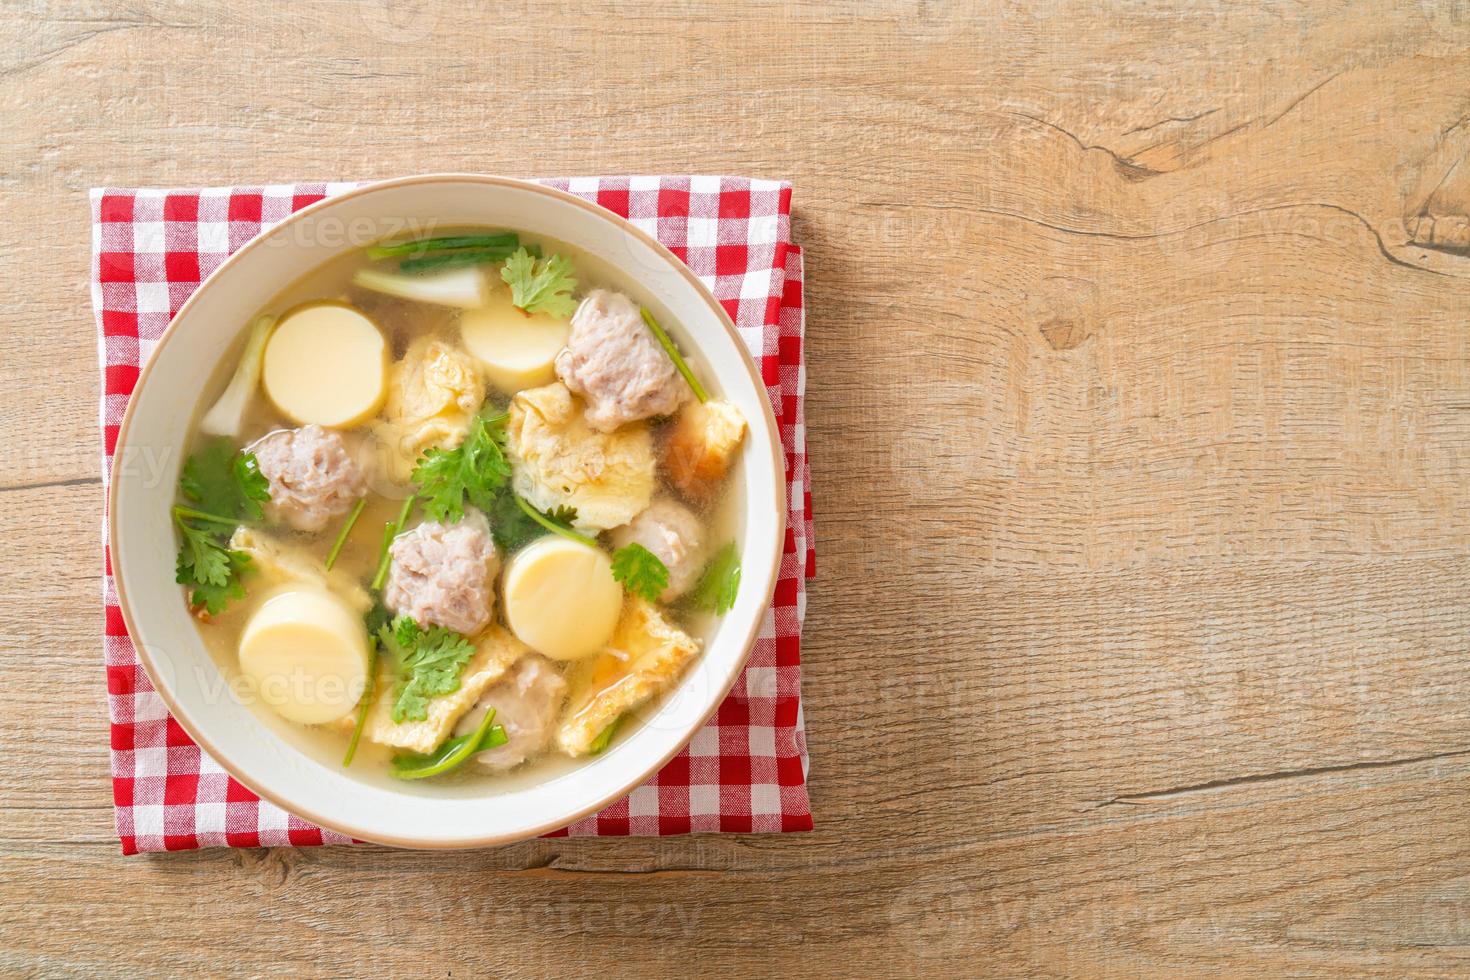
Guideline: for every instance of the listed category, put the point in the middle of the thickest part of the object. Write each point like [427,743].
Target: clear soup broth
[457,514]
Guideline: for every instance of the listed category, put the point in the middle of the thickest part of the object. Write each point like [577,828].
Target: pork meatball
[672,532]
[312,476]
[616,364]
[526,703]
[443,574]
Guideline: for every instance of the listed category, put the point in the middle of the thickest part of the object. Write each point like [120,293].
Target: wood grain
[1140,419]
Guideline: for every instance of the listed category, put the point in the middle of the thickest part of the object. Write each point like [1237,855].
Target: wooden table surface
[1140,423]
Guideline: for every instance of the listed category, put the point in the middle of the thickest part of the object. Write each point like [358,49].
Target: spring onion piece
[391,530]
[673,352]
[451,259]
[464,287]
[342,534]
[553,526]
[452,753]
[366,704]
[604,737]
[507,240]
[227,417]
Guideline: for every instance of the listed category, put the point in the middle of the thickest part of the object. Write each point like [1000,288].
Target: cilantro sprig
[224,482]
[558,521]
[211,570]
[474,471]
[230,490]
[641,571]
[540,285]
[719,582]
[428,663]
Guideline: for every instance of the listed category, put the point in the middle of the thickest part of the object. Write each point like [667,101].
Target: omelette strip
[646,654]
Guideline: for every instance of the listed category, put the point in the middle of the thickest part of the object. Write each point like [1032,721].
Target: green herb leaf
[212,571]
[376,618]
[225,482]
[540,285]
[510,526]
[214,598]
[476,471]
[641,571]
[452,754]
[254,489]
[202,559]
[229,488]
[428,662]
[719,582]
[552,524]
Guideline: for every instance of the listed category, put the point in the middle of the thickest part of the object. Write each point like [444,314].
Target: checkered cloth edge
[745,771]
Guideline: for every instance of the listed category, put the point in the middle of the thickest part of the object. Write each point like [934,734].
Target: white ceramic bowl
[150,451]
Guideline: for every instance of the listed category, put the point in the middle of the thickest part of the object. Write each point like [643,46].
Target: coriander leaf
[540,285]
[254,488]
[510,526]
[376,618]
[429,663]
[211,571]
[717,586]
[225,482]
[214,598]
[407,631]
[563,514]
[640,570]
[202,559]
[554,526]
[476,470]
[208,478]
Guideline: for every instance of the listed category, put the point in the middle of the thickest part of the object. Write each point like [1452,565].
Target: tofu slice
[517,350]
[326,363]
[700,447]
[646,654]
[497,652]
[306,654]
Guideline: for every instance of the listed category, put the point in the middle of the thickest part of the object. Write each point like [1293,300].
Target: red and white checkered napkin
[744,771]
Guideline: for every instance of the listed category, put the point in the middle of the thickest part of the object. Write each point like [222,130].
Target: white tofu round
[516,350]
[326,363]
[306,653]
[560,598]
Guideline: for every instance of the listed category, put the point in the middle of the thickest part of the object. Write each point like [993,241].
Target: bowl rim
[642,773]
